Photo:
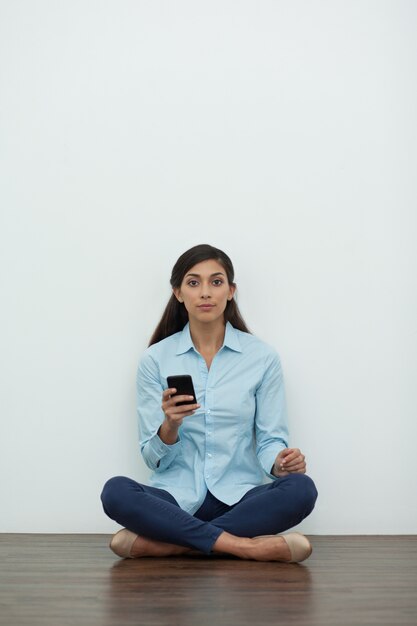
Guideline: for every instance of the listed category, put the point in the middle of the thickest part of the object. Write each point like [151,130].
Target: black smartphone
[184,385]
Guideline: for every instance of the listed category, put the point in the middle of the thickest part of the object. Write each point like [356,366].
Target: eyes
[216,280]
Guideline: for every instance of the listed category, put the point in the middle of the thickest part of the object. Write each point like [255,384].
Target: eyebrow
[215,274]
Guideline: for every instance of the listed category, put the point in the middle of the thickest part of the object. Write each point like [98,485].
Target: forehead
[206,268]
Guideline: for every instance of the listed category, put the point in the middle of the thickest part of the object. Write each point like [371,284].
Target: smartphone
[184,386]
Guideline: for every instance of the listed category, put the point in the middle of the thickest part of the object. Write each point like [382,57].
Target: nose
[205,292]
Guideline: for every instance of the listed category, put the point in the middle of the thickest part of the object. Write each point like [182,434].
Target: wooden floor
[60,580]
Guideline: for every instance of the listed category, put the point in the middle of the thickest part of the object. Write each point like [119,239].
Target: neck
[208,338]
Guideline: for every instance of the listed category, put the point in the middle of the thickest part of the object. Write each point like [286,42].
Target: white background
[284,133]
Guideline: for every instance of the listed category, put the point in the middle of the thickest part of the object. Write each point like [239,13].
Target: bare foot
[142,546]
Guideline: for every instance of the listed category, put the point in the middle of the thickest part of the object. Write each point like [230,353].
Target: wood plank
[64,580]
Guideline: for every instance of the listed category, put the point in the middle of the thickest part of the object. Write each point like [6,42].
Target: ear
[177,293]
[231,292]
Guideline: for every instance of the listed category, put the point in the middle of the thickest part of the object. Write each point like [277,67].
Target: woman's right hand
[174,415]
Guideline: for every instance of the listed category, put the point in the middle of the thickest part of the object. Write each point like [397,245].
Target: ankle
[231,544]
[249,549]
[151,547]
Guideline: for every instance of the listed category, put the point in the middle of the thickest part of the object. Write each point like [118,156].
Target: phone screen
[183,383]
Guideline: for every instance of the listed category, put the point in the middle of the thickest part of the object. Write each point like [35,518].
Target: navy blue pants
[154,513]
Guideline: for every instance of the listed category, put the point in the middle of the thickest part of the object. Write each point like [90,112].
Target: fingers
[171,399]
[295,465]
[289,454]
[298,465]
[170,407]
[292,460]
[296,461]
[167,393]
[300,468]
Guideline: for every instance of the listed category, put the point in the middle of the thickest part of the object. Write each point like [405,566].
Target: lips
[205,306]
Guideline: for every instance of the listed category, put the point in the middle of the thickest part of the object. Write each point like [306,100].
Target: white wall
[284,133]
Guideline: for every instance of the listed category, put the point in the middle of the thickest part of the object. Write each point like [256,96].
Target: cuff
[268,459]
[159,454]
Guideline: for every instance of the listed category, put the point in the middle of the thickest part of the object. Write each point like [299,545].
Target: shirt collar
[231,339]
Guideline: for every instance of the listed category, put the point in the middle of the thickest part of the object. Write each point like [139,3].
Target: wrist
[168,433]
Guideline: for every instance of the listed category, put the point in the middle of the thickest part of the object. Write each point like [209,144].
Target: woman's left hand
[289,461]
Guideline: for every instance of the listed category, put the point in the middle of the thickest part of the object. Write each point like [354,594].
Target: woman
[209,459]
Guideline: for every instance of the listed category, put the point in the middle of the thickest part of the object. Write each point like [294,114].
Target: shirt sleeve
[271,421]
[156,454]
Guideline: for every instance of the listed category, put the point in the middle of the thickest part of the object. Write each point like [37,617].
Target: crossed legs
[164,529]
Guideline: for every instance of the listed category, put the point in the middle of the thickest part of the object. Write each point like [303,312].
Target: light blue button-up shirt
[233,438]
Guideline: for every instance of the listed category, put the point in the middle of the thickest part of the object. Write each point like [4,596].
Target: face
[205,283]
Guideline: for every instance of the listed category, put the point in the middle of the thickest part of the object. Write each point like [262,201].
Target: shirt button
[208,410]
[208,476]
[209,455]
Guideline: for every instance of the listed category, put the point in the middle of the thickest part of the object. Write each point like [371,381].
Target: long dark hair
[175,316]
